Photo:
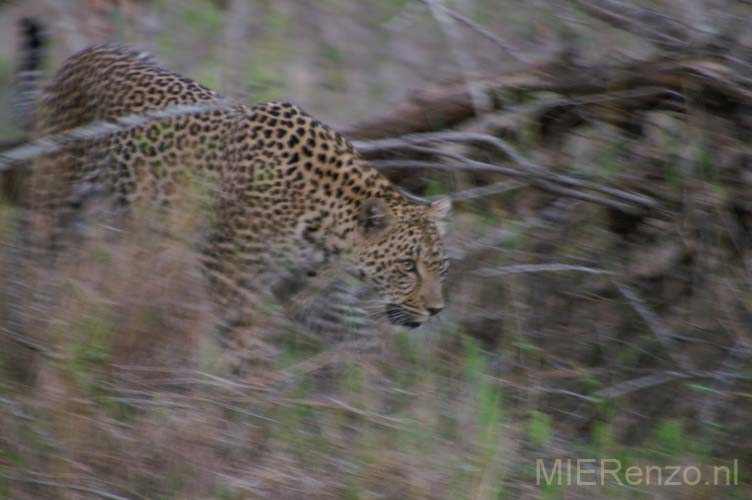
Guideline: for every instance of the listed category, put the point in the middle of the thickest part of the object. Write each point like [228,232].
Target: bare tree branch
[497,272]
[640,383]
[659,378]
[440,106]
[237,15]
[483,191]
[533,172]
[97,130]
[648,24]
[65,486]
[659,329]
[465,61]
[503,45]
[27,342]
[480,166]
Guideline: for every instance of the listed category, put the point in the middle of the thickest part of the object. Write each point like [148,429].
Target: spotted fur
[287,190]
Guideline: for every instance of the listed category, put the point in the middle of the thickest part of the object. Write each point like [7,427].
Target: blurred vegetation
[574,330]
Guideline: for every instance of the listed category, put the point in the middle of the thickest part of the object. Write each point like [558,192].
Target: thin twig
[649,24]
[659,378]
[479,99]
[539,175]
[405,18]
[481,166]
[26,342]
[485,34]
[629,386]
[65,486]
[496,272]
[100,129]
[483,191]
[640,383]
[736,356]
[543,390]
[654,322]
[235,28]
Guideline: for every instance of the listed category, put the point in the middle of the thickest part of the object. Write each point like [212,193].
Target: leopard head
[401,253]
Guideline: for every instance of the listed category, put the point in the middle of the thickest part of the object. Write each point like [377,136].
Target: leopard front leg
[245,354]
[241,324]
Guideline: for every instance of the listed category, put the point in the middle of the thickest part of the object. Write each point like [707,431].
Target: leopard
[286,190]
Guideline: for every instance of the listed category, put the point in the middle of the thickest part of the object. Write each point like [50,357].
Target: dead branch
[483,191]
[640,383]
[444,106]
[737,355]
[660,378]
[647,24]
[27,342]
[237,17]
[440,106]
[532,172]
[503,45]
[480,166]
[627,387]
[507,149]
[542,389]
[654,322]
[497,272]
[65,486]
[97,130]
[480,100]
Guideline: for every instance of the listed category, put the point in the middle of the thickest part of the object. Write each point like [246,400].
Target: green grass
[89,351]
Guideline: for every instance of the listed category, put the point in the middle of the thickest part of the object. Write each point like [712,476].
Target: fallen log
[667,81]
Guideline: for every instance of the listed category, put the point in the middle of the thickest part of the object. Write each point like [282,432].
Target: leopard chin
[397,315]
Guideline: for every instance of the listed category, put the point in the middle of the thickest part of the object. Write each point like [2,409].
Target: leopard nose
[433,311]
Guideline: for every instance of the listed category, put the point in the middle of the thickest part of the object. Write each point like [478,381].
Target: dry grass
[129,397]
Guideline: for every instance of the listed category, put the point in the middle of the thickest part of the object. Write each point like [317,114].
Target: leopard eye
[409,265]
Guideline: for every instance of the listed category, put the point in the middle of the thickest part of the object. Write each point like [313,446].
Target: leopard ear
[374,217]
[440,209]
